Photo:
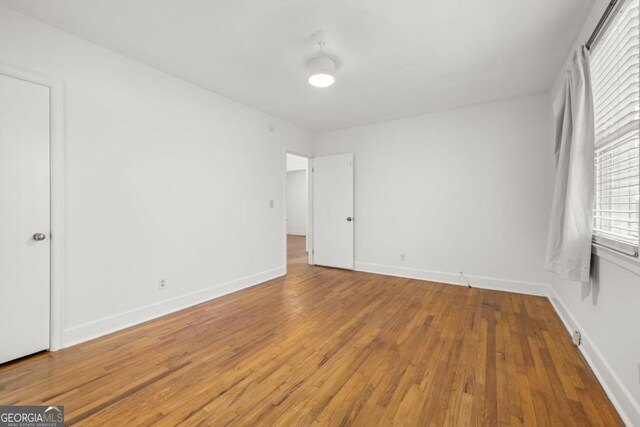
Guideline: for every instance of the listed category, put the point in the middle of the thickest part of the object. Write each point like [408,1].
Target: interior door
[24,218]
[333,211]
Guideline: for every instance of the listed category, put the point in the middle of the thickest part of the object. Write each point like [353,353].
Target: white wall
[297,202]
[156,183]
[607,310]
[466,189]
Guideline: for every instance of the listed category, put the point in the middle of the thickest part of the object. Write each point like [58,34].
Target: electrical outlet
[162,284]
[576,338]
[401,257]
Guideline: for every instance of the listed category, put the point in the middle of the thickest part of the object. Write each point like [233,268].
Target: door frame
[56,198]
[309,237]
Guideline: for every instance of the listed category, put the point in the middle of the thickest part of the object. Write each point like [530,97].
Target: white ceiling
[395,58]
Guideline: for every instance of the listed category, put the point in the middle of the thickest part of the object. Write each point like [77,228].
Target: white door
[333,211]
[24,218]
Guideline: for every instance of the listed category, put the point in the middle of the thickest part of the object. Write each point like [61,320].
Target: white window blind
[616,88]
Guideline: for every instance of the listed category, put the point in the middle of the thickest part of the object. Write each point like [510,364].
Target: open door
[333,211]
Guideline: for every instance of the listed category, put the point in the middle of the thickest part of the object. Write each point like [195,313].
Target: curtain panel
[570,227]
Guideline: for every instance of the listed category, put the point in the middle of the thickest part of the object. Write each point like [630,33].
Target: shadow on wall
[593,286]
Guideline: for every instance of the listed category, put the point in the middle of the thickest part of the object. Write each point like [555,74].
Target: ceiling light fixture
[321,67]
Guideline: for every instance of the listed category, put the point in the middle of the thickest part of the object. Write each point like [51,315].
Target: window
[616,84]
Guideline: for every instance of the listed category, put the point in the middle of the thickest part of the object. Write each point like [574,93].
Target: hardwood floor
[327,347]
[296,247]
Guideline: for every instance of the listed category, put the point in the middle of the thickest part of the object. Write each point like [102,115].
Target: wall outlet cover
[576,338]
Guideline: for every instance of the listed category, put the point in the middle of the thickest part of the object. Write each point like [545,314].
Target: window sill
[627,262]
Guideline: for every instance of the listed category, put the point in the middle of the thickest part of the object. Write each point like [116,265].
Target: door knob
[349,219]
[39,236]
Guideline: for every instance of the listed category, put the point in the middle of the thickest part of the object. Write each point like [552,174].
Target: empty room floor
[327,347]
[296,247]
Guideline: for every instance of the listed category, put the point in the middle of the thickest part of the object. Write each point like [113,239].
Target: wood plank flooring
[327,347]
[296,247]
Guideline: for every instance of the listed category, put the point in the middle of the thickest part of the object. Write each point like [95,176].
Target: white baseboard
[619,395]
[107,325]
[529,288]
[294,233]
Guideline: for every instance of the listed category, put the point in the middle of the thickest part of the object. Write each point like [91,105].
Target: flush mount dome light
[321,71]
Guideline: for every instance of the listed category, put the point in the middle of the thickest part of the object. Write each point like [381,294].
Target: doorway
[297,209]
[319,206]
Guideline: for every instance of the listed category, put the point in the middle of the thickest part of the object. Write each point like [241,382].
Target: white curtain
[570,229]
